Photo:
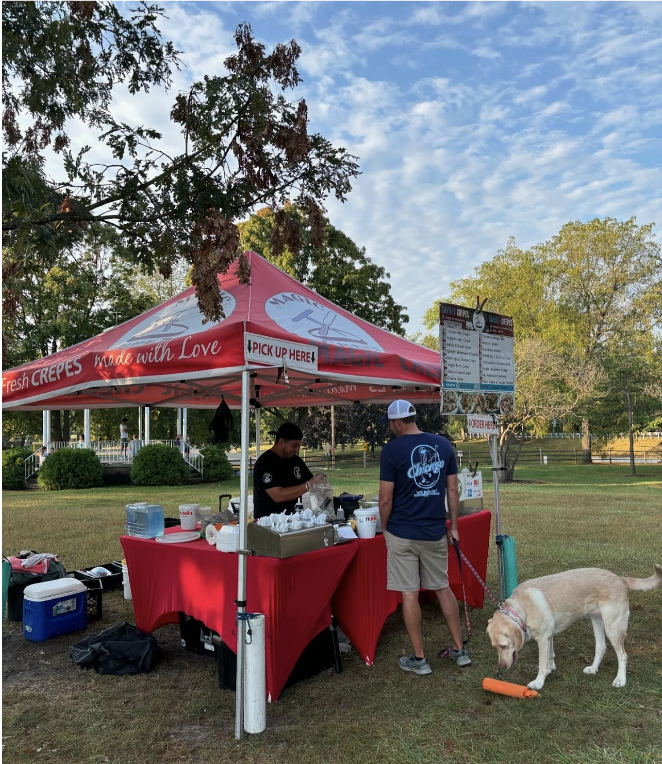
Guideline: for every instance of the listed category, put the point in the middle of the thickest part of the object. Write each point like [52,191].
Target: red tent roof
[302,349]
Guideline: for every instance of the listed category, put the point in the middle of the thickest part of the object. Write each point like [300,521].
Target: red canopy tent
[280,344]
[301,350]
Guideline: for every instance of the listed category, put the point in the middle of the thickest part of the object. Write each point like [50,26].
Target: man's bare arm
[453,495]
[385,502]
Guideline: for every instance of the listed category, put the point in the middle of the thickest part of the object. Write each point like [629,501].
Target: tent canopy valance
[301,350]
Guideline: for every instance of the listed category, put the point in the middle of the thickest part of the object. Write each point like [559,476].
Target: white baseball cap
[399,409]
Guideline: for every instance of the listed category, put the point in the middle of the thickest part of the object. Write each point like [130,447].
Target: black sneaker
[461,657]
[420,666]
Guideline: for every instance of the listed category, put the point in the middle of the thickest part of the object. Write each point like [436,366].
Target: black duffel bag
[121,649]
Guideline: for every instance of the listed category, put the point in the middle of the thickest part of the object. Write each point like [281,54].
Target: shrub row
[154,464]
[70,468]
[13,471]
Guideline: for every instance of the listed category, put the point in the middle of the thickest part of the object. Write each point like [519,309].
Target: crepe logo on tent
[177,319]
[307,318]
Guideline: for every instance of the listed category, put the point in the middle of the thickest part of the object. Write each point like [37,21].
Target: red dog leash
[461,556]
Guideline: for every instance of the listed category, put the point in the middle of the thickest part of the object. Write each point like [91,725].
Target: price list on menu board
[477,361]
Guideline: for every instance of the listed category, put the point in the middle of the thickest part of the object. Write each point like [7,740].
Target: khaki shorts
[413,565]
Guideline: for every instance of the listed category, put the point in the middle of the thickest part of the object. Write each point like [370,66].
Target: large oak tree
[243,144]
[577,300]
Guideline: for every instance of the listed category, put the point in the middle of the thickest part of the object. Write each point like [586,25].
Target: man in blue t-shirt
[417,470]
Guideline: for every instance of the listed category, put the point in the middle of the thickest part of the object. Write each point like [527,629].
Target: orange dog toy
[507,688]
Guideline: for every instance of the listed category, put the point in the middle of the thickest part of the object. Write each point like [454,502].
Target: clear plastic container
[321,499]
[145,521]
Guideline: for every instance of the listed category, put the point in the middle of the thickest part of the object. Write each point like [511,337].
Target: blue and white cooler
[54,607]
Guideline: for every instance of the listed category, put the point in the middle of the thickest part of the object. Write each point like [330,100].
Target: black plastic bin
[108,583]
[95,591]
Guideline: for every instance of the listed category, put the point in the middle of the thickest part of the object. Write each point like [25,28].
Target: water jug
[144,520]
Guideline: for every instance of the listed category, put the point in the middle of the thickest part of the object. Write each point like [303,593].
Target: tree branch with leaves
[243,144]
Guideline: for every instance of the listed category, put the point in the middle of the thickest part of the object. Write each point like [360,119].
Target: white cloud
[531,95]
[445,41]
[484,51]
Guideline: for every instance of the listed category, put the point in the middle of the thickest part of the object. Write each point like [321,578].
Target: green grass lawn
[561,517]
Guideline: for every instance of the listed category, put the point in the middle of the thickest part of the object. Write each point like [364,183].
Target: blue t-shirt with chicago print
[418,466]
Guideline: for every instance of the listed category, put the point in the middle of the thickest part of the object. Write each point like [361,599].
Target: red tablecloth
[362,603]
[193,578]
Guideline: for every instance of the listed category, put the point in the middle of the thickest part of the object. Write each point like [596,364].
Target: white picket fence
[112,452]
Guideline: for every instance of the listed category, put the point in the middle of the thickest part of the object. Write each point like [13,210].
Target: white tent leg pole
[255,690]
[140,423]
[44,428]
[494,453]
[241,578]
[47,431]
[147,425]
[87,427]
[257,433]
[179,422]
[184,430]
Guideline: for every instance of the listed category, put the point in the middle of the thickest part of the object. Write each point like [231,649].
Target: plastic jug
[146,521]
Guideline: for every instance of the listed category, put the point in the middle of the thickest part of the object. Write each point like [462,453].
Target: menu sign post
[478,379]
[477,361]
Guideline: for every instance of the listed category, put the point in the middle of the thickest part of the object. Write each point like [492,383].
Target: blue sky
[473,122]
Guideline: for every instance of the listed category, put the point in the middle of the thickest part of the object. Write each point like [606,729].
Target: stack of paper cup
[188,516]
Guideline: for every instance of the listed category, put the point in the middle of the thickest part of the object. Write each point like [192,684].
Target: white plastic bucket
[366,522]
[125,581]
[188,516]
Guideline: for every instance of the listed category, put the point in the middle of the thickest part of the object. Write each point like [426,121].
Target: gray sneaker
[461,657]
[419,666]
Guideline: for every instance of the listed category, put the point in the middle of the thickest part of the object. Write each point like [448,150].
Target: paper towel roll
[210,534]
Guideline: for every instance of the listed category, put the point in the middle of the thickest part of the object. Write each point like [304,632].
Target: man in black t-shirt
[280,477]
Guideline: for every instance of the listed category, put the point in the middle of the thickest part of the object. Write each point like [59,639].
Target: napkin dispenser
[264,542]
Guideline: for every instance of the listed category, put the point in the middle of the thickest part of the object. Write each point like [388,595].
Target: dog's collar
[509,613]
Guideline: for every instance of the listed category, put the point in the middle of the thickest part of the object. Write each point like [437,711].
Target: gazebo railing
[31,465]
[111,452]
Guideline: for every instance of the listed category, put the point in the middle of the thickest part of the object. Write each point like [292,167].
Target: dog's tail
[646,584]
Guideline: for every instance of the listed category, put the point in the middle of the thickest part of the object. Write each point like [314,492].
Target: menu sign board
[477,361]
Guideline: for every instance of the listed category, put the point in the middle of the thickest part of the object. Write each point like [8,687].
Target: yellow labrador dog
[545,606]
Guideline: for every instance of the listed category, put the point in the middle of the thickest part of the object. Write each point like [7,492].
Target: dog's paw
[537,684]
[590,670]
[618,682]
